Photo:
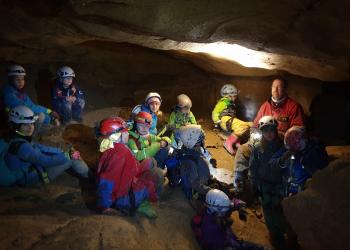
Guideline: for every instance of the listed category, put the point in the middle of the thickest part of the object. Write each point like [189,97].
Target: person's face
[18,82]
[27,129]
[233,98]
[154,104]
[67,81]
[142,129]
[278,89]
[269,133]
[125,137]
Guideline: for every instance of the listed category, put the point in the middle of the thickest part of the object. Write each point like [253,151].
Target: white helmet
[22,115]
[228,90]
[183,101]
[266,121]
[65,72]
[217,202]
[152,95]
[190,135]
[16,70]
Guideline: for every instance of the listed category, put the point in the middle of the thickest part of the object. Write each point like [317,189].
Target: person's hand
[73,99]
[163,144]
[75,155]
[55,118]
[73,90]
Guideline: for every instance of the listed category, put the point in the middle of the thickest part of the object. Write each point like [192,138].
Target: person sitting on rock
[212,225]
[267,180]
[14,95]
[124,184]
[151,105]
[67,99]
[182,115]
[143,144]
[39,163]
[307,155]
[225,115]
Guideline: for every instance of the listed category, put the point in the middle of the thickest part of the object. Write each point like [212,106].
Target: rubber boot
[147,210]
[229,144]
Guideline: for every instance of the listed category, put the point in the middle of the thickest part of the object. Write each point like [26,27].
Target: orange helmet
[144,118]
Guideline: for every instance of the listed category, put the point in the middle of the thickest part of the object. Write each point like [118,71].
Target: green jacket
[224,104]
[180,119]
[144,148]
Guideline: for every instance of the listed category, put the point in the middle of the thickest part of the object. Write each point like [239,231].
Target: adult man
[285,110]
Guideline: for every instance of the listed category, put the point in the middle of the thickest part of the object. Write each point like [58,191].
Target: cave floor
[62,215]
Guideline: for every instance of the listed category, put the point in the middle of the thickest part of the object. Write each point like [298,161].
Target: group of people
[135,158]
[277,160]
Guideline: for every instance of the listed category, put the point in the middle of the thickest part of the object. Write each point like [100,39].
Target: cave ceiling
[230,37]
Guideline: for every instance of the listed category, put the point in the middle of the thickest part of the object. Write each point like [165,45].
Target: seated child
[39,163]
[14,95]
[151,105]
[67,99]
[225,115]
[124,183]
[212,225]
[145,145]
[194,168]
[182,115]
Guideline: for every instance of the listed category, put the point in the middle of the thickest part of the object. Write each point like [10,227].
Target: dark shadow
[330,114]
[43,87]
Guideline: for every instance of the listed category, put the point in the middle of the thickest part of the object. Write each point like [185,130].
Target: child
[151,105]
[39,163]
[182,115]
[14,95]
[145,145]
[194,168]
[267,180]
[225,115]
[307,156]
[123,182]
[212,225]
[67,99]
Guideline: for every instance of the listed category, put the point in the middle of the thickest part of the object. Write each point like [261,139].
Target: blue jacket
[304,165]
[153,128]
[14,97]
[59,93]
[31,154]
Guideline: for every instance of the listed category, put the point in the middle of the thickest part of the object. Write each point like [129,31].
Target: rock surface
[305,37]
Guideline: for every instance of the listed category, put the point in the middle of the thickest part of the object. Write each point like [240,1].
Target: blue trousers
[69,111]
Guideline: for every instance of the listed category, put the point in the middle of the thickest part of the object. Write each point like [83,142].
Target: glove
[213,162]
[238,204]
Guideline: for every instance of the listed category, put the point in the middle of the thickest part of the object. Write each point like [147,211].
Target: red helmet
[144,118]
[295,139]
[112,125]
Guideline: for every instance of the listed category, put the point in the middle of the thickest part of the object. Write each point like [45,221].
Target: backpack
[7,176]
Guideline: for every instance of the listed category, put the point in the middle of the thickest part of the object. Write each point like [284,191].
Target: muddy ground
[62,215]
